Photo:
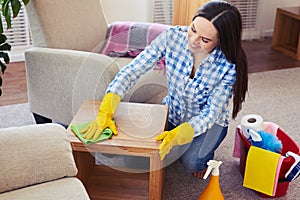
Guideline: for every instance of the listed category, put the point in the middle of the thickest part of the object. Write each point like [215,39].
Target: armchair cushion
[34,154]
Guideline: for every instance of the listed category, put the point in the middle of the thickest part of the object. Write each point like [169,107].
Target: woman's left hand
[180,135]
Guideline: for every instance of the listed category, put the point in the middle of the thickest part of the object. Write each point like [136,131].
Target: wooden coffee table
[137,125]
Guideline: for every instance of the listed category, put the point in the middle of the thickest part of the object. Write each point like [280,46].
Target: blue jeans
[195,155]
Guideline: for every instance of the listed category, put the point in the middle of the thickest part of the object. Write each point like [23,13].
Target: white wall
[267,14]
[128,10]
[141,10]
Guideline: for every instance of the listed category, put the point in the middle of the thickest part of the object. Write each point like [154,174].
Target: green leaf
[25,2]
[5,47]
[16,6]
[6,13]
[5,57]
[1,26]
[3,67]
[3,38]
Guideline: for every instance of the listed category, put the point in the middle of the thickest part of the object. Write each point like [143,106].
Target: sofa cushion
[34,154]
[62,189]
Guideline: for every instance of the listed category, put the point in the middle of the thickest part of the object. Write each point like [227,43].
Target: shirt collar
[215,54]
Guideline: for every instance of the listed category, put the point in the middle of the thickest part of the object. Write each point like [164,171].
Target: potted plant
[7,6]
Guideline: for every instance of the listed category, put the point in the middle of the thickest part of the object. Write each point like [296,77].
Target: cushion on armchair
[34,154]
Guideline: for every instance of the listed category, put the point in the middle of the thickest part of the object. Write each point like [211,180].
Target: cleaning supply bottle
[213,190]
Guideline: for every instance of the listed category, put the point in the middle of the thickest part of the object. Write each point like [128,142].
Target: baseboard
[255,34]
[17,53]
[267,33]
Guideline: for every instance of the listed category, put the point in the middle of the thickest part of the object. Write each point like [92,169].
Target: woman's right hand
[104,119]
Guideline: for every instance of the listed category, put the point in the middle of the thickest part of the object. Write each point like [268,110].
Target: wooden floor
[260,58]
[14,87]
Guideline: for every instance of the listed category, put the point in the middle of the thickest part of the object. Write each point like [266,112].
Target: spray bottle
[213,190]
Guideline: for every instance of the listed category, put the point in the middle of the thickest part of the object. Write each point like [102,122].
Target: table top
[293,11]
[137,125]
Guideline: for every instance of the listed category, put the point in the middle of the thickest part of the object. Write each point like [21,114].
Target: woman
[205,67]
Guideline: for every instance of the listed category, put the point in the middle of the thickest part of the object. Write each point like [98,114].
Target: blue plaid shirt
[203,100]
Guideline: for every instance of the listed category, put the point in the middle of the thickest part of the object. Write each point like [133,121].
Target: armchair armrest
[59,80]
[34,154]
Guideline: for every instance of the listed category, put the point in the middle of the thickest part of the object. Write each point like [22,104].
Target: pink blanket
[128,39]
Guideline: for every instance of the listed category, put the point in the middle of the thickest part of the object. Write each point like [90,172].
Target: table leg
[85,163]
[156,179]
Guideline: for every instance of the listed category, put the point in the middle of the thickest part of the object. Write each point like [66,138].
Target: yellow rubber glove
[104,119]
[180,135]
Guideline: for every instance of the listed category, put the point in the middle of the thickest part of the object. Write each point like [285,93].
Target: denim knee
[194,163]
[202,149]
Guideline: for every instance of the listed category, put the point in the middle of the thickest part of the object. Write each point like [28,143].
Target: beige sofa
[36,163]
[64,66]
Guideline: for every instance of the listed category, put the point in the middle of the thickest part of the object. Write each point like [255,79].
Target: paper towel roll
[251,121]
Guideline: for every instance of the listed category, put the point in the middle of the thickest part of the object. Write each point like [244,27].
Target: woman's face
[202,36]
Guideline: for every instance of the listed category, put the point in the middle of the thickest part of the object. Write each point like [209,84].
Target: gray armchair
[64,66]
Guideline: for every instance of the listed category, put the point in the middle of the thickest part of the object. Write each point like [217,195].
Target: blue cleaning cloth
[269,142]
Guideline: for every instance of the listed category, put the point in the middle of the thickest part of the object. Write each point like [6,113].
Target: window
[162,11]
[249,11]
[18,36]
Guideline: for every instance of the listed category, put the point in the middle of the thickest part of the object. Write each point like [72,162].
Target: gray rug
[275,95]
[15,115]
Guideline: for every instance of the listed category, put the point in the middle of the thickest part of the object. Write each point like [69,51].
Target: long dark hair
[227,20]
